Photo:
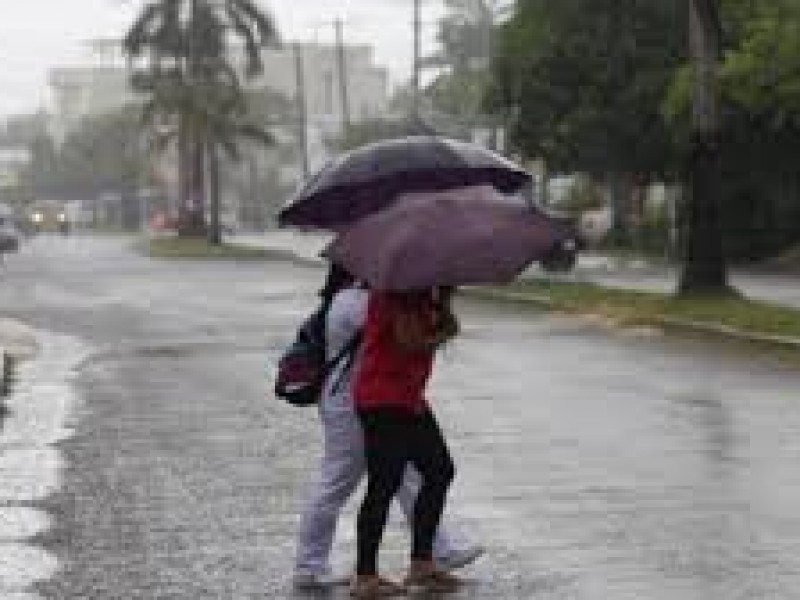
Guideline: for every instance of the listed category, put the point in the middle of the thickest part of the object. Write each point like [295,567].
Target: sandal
[370,587]
[434,580]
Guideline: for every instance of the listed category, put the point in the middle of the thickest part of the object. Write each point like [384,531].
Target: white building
[327,82]
[365,83]
[100,83]
[96,86]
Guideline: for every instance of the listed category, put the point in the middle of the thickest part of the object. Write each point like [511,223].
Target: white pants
[343,466]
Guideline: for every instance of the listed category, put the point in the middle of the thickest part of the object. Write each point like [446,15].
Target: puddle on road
[22,523]
[41,413]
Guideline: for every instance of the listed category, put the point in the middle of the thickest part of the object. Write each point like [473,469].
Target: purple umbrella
[371,178]
[458,237]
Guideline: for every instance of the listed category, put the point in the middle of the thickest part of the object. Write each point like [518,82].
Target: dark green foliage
[760,126]
[586,79]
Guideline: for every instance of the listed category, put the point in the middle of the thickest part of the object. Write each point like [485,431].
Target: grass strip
[199,248]
[650,308]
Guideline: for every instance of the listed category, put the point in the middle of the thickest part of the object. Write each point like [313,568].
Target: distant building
[366,83]
[366,87]
[96,86]
[100,84]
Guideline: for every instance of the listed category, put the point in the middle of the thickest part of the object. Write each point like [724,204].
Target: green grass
[642,308]
[199,248]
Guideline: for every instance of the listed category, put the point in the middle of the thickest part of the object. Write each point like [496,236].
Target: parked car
[564,257]
[9,235]
[49,216]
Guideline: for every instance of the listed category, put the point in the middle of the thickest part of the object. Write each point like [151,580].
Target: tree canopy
[585,79]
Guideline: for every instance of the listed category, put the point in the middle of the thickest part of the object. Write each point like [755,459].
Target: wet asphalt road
[594,464]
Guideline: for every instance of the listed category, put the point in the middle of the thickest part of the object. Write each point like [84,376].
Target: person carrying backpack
[343,464]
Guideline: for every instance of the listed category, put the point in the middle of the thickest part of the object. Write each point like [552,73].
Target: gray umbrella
[372,177]
[458,237]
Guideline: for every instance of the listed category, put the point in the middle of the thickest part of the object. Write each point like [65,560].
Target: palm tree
[184,51]
[214,109]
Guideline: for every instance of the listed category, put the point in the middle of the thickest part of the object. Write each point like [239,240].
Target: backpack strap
[347,350]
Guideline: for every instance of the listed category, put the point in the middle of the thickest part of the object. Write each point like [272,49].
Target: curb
[726,332]
[667,323]
[305,261]
[17,343]
[7,373]
[539,300]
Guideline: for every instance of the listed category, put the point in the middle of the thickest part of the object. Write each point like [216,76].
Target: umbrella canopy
[373,176]
[458,237]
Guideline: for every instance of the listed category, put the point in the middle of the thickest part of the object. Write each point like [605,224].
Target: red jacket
[388,375]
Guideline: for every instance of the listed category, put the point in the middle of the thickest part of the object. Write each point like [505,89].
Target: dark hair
[337,279]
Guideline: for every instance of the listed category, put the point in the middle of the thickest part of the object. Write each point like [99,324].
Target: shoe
[458,559]
[369,587]
[309,582]
[430,580]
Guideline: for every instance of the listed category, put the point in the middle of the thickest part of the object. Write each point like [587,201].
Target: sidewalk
[633,274]
[17,343]
[17,340]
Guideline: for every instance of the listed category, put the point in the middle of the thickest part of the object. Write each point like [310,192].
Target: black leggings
[392,439]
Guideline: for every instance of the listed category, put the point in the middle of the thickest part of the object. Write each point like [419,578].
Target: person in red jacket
[401,335]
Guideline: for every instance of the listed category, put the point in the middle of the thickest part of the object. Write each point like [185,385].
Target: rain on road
[594,464]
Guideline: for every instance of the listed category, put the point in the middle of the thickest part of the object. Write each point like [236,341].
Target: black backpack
[302,369]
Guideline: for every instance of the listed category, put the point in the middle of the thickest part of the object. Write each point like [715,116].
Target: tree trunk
[184,180]
[195,222]
[215,228]
[620,188]
[704,266]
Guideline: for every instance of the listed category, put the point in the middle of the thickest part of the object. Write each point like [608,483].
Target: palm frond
[263,21]
[256,134]
[253,65]
[138,35]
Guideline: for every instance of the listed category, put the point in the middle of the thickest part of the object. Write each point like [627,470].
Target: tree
[704,266]
[466,37]
[105,154]
[186,51]
[223,130]
[214,110]
[758,129]
[466,34]
[41,173]
[585,80]
[102,153]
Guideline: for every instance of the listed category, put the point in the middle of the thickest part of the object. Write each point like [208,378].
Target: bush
[582,195]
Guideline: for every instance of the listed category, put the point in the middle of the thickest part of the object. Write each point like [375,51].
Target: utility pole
[300,100]
[416,66]
[343,79]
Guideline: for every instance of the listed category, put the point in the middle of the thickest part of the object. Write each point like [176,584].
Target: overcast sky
[38,34]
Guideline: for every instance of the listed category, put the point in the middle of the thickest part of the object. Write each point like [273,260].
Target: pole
[300,99]
[416,66]
[342,64]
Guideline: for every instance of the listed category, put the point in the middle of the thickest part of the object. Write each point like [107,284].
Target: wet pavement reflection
[595,464]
